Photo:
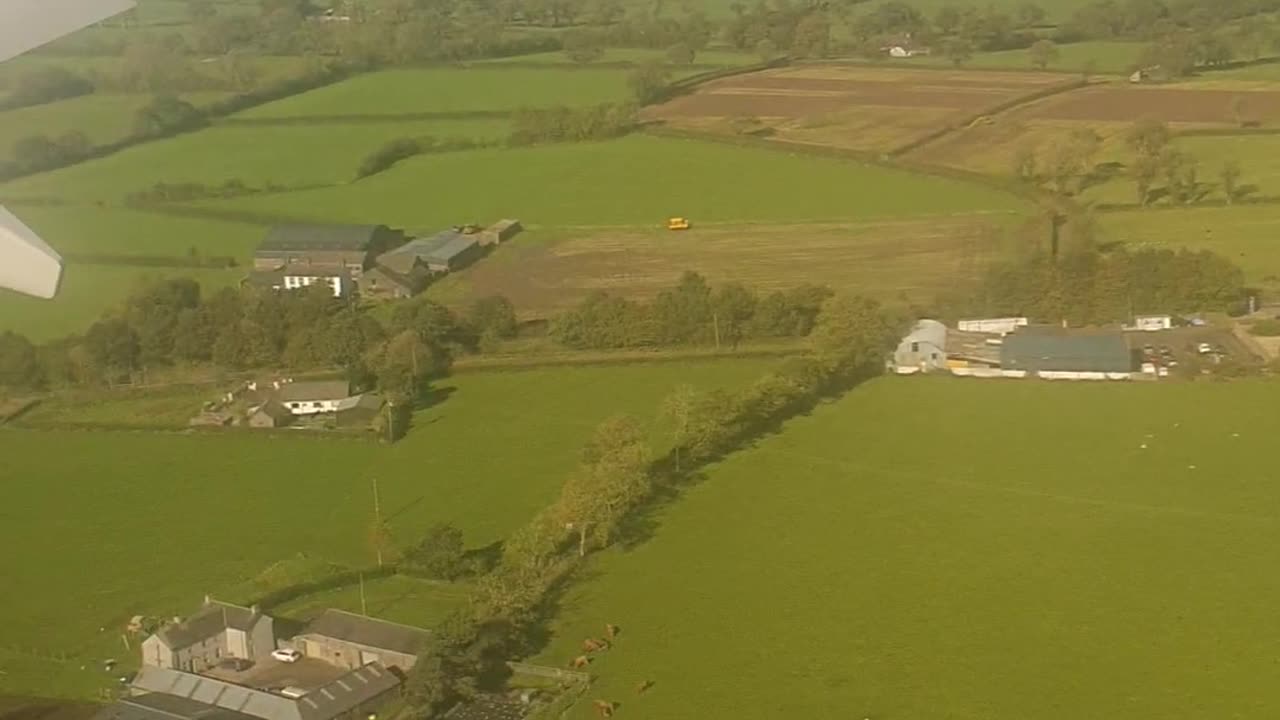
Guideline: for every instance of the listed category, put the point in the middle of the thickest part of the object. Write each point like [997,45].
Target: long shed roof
[371,632]
[1034,351]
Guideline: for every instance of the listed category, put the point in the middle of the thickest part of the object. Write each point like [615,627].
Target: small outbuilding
[270,414]
[923,349]
[1044,352]
[500,232]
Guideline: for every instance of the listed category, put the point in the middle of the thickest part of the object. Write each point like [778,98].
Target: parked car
[286,655]
[1204,348]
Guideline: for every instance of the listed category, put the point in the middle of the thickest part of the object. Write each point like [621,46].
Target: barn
[923,349]
[1045,352]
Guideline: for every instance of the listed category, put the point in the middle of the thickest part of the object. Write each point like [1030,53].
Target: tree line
[175,322]
[1158,168]
[1084,285]
[616,479]
[690,313]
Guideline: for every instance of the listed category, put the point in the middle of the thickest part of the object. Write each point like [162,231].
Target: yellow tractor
[678,223]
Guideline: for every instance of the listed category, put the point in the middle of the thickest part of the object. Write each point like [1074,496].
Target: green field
[397,598]
[1258,157]
[446,90]
[287,155]
[638,180]
[87,292]
[1245,234]
[148,523]
[102,118]
[1105,57]
[703,60]
[961,559]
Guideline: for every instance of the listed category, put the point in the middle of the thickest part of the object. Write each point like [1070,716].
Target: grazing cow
[603,644]
[643,686]
[579,662]
[611,631]
[604,708]
[589,645]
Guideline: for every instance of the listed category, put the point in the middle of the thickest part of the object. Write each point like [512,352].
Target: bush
[563,124]
[45,85]
[440,555]
[388,155]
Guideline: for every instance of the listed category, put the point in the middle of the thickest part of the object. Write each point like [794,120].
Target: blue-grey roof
[1034,351]
[453,248]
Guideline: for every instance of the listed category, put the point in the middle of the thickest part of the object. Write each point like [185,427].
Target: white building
[1152,323]
[314,398]
[338,281]
[1002,326]
[923,349]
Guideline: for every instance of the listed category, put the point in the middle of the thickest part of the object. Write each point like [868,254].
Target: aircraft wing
[27,24]
[27,263]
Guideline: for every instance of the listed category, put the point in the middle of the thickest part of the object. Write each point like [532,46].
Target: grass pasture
[1245,234]
[635,181]
[286,155]
[958,561]
[888,260]
[102,118]
[129,541]
[87,292]
[482,89]
[397,598]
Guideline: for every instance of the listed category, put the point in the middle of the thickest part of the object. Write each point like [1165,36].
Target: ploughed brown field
[890,260]
[858,107]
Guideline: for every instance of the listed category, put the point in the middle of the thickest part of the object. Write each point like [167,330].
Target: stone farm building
[216,632]
[349,640]
[373,260]
[1050,352]
[295,256]
[293,400]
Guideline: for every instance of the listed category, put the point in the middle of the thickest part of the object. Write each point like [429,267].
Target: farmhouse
[353,695]
[313,398]
[339,280]
[1047,352]
[218,631]
[923,349]
[294,248]
[349,640]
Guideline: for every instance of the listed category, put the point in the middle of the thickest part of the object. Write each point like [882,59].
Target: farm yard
[853,106]
[986,575]
[891,260]
[287,496]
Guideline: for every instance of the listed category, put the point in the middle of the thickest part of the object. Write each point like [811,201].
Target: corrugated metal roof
[293,238]
[27,263]
[367,631]
[159,706]
[324,703]
[928,331]
[316,390]
[1066,353]
[453,248]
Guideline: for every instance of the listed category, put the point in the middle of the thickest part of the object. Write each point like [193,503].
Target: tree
[678,409]
[1148,137]
[613,477]
[851,335]
[1043,53]
[1144,170]
[1230,177]
[648,82]
[812,36]
[1024,163]
[582,46]
[19,365]
[766,50]
[680,54]
[1072,158]
[46,84]
[112,347]
[493,317]
[732,307]
[439,555]
[166,114]
[957,50]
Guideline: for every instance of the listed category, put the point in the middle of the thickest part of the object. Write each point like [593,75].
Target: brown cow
[604,708]
[643,686]
[580,662]
[611,631]
[603,644]
[589,645]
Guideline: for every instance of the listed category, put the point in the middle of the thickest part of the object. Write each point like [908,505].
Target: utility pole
[364,608]
[377,529]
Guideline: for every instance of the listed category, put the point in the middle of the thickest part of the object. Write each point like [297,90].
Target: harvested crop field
[1128,103]
[798,100]
[884,259]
